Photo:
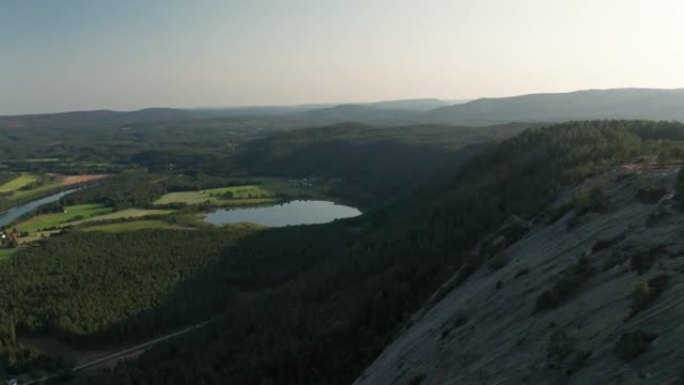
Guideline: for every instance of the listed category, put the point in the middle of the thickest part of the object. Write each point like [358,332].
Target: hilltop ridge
[627,103]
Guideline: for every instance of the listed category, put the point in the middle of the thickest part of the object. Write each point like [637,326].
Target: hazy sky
[58,55]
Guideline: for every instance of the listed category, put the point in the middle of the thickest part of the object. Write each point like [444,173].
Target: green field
[130,226]
[214,196]
[18,183]
[123,214]
[16,191]
[268,190]
[6,253]
[72,213]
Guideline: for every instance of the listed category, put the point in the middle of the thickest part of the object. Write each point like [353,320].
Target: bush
[566,286]
[563,353]
[602,244]
[647,292]
[679,186]
[591,199]
[498,262]
[418,379]
[491,247]
[558,212]
[521,273]
[642,262]
[513,229]
[561,345]
[650,194]
[633,344]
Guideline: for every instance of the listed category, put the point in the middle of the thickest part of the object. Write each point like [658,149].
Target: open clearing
[72,213]
[77,179]
[15,189]
[19,182]
[221,195]
[131,226]
[123,214]
[267,190]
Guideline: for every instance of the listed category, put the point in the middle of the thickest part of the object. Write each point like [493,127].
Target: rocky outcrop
[594,296]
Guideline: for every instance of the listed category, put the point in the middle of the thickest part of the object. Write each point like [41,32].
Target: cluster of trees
[125,190]
[17,358]
[195,181]
[141,188]
[91,287]
[329,322]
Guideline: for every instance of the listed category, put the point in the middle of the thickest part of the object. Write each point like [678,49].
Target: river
[12,214]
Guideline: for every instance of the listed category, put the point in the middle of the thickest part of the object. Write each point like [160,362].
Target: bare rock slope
[594,297]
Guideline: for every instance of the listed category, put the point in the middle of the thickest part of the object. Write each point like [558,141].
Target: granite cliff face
[592,294]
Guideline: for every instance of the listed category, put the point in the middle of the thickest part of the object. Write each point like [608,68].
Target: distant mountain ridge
[395,111]
[628,103]
[632,103]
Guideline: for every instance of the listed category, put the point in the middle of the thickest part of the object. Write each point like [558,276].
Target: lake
[12,214]
[290,213]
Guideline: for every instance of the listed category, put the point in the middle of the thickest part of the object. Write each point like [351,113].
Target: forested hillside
[366,163]
[380,162]
[331,321]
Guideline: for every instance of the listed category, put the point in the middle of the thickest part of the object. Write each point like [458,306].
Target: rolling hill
[634,103]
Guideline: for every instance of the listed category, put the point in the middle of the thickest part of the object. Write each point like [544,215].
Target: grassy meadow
[123,214]
[18,183]
[130,226]
[267,190]
[218,196]
[72,213]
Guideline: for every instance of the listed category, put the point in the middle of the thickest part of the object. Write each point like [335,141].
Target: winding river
[12,214]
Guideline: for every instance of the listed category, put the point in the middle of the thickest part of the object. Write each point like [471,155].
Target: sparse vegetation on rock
[418,379]
[642,262]
[602,244]
[563,352]
[633,344]
[566,286]
[651,194]
[591,199]
[499,261]
[679,187]
[647,292]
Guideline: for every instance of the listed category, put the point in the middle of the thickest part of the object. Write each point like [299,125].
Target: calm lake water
[8,216]
[290,213]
